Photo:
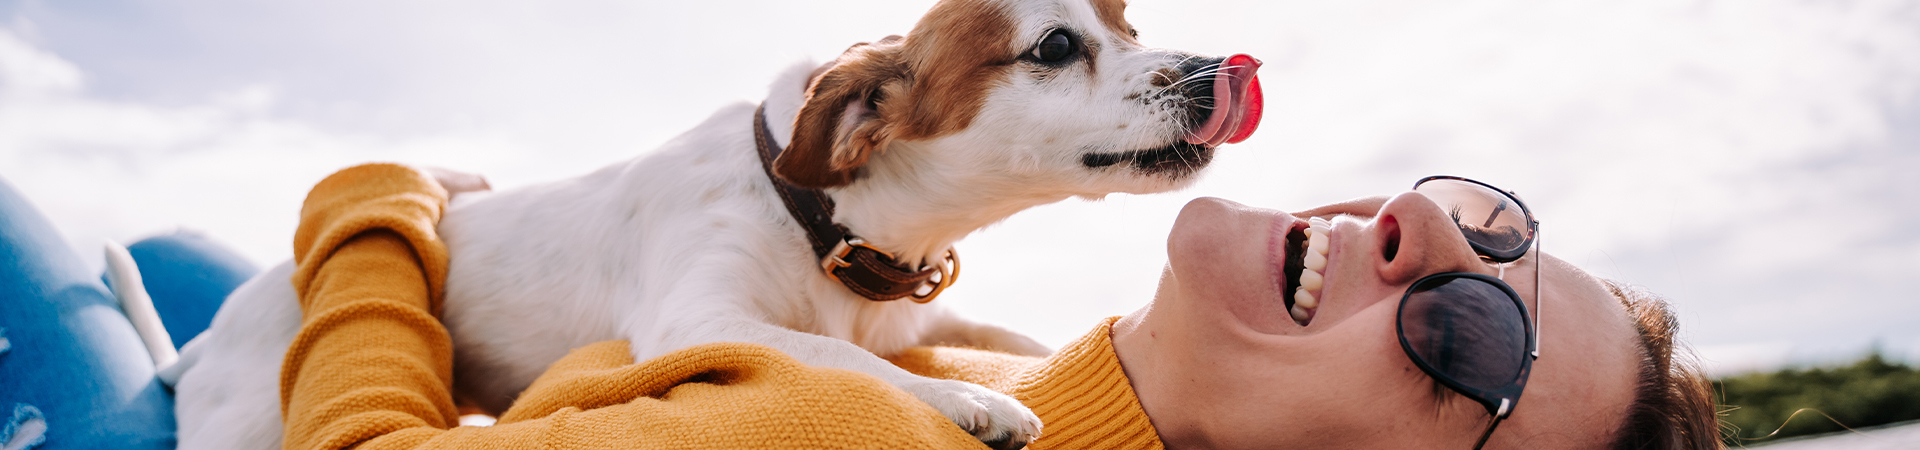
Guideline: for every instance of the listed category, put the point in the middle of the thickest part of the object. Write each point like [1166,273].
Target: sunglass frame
[1499,401]
[1489,253]
[1489,397]
[1509,395]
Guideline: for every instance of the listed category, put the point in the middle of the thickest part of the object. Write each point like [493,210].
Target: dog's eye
[1056,47]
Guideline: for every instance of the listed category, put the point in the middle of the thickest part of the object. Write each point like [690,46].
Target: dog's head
[1058,93]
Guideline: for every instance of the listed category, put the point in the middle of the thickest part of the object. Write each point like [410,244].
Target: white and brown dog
[986,108]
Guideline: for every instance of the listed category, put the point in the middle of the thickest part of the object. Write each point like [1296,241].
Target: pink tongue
[1237,104]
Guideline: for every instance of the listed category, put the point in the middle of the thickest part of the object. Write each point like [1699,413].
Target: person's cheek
[1404,397]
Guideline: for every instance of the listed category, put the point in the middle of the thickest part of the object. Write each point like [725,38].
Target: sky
[1753,160]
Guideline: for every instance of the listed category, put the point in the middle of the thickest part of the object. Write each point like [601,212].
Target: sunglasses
[1467,330]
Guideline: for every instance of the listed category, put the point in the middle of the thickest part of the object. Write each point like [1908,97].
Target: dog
[985,108]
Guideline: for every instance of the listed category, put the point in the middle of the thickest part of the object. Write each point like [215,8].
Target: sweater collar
[1084,399]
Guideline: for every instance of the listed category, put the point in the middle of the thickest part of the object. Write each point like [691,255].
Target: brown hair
[1672,402]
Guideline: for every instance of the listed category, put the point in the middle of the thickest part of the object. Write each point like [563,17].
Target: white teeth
[1304,299]
[1310,280]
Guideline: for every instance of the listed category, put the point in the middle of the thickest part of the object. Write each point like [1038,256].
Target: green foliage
[1868,392]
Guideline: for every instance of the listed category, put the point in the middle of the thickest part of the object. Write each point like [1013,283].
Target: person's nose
[1417,238]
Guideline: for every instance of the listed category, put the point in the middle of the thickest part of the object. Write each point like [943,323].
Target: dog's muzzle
[1231,99]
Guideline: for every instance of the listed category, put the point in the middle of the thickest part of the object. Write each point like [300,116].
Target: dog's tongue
[1237,103]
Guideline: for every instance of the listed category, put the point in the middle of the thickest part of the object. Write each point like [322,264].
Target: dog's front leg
[996,419]
[949,328]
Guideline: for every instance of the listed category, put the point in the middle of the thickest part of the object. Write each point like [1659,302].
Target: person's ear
[842,123]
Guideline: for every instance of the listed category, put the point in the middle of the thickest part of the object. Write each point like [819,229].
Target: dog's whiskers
[1196,77]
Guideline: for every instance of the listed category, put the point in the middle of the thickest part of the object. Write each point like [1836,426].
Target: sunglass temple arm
[1537,301]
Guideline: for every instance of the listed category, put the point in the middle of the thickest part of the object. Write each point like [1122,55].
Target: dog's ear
[842,123]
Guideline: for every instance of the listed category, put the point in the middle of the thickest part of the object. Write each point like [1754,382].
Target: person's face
[1218,362]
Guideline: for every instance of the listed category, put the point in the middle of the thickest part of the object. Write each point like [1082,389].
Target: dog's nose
[1196,84]
[1196,73]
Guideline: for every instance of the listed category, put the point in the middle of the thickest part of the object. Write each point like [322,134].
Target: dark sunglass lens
[1468,329]
[1486,216]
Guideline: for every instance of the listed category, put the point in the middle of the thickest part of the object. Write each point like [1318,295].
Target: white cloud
[120,170]
[29,71]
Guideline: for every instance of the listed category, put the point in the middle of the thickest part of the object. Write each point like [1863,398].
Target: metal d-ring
[949,271]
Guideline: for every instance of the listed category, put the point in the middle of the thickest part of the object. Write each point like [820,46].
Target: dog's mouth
[1176,159]
[1236,102]
[1227,111]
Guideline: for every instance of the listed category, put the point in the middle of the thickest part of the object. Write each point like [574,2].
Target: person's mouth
[1305,268]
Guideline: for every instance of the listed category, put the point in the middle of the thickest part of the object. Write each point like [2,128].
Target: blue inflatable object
[75,362]
[188,276]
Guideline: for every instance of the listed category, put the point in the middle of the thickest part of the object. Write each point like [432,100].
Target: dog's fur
[920,140]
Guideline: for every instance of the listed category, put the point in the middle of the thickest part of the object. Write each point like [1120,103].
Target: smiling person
[1427,319]
[1418,330]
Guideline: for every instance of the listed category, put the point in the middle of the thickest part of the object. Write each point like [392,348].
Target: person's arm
[372,366]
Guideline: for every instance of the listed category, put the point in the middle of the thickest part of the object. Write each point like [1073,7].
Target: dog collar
[865,270]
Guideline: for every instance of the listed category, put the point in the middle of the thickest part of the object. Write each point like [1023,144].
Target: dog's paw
[996,419]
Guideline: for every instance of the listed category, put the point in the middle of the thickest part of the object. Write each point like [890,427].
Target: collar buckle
[837,258]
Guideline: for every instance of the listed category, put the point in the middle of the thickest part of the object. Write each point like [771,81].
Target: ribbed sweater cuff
[376,196]
[1083,398]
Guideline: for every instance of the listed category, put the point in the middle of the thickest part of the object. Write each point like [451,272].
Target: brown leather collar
[865,270]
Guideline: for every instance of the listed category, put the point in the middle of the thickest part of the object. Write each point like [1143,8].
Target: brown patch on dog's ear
[959,51]
[840,125]
[1113,14]
[928,84]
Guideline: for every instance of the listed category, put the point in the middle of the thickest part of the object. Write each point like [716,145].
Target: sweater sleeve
[371,367]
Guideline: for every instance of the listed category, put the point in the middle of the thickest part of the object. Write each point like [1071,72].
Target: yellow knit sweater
[372,367]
